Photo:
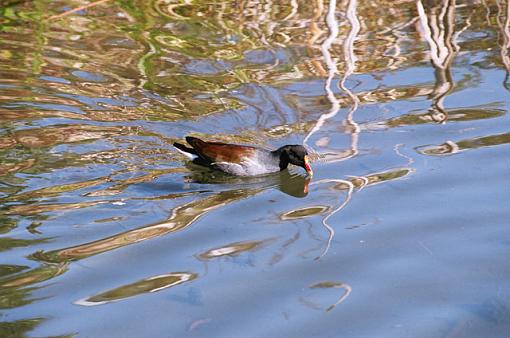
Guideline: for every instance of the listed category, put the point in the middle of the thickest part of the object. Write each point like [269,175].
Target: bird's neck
[281,156]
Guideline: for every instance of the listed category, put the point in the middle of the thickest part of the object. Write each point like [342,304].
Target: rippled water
[106,231]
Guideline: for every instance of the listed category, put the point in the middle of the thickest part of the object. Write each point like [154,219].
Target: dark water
[107,232]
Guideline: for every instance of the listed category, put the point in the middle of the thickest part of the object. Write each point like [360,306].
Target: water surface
[106,231]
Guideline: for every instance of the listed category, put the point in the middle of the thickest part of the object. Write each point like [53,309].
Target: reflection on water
[18,328]
[458,115]
[290,183]
[93,196]
[451,147]
[16,289]
[304,212]
[503,20]
[232,249]
[151,284]
[334,285]
[438,28]
[181,217]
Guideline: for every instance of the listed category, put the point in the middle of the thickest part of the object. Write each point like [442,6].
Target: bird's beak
[307,166]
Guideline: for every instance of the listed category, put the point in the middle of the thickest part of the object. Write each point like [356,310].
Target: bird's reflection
[286,181]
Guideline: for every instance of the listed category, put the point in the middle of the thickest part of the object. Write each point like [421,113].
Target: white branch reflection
[335,285]
[295,6]
[325,223]
[350,65]
[434,34]
[505,33]
[350,60]
[332,24]
[353,128]
[438,29]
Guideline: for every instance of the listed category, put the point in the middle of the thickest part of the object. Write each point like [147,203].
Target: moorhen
[244,160]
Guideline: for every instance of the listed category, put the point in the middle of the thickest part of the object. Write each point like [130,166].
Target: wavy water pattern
[402,104]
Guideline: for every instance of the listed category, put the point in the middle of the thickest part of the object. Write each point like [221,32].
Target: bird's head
[297,155]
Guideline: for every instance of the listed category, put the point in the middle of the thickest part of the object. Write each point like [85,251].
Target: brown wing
[220,152]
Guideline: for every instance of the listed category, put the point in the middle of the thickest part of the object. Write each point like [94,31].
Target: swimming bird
[241,160]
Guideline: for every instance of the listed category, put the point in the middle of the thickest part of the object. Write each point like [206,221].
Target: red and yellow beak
[308,168]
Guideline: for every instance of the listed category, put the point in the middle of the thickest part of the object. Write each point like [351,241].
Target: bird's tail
[187,151]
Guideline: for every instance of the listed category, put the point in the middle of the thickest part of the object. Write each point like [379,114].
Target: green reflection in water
[121,185]
[34,209]
[55,190]
[151,284]
[7,224]
[233,249]
[459,115]
[304,212]
[15,290]
[182,217]
[384,176]
[7,243]
[7,269]
[374,178]
[451,147]
[18,328]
